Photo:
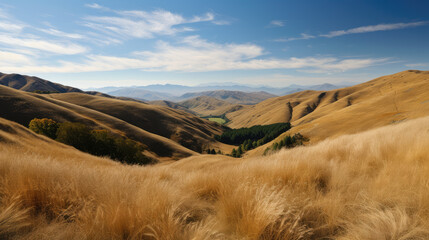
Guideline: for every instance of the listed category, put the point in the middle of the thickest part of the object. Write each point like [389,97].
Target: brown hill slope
[21,107]
[209,106]
[371,185]
[171,104]
[234,97]
[31,84]
[322,114]
[182,127]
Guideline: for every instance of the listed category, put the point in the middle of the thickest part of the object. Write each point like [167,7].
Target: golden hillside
[371,185]
[322,114]
[182,127]
[234,97]
[21,107]
[210,106]
[30,84]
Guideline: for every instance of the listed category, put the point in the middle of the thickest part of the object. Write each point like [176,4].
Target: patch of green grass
[221,121]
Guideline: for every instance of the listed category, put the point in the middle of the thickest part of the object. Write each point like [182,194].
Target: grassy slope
[371,185]
[184,128]
[209,106]
[320,115]
[21,107]
[30,84]
[233,97]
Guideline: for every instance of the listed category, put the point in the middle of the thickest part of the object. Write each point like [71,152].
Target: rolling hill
[181,127]
[371,185]
[141,94]
[209,106]
[234,97]
[31,84]
[322,114]
[178,90]
[171,104]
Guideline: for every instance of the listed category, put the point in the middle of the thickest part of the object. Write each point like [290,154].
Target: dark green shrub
[287,142]
[77,135]
[44,126]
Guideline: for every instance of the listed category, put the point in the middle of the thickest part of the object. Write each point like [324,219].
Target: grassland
[372,185]
[221,121]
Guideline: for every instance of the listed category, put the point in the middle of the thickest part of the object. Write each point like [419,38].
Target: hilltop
[165,138]
[182,127]
[209,106]
[234,97]
[31,84]
[322,114]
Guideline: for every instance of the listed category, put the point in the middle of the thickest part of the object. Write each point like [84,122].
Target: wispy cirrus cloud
[143,24]
[194,54]
[374,28]
[11,58]
[95,6]
[187,54]
[276,23]
[302,37]
[14,35]
[358,30]
[417,65]
[42,45]
[58,33]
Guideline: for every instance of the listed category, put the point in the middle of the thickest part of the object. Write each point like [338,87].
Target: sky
[90,44]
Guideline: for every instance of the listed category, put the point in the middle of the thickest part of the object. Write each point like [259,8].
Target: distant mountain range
[177,93]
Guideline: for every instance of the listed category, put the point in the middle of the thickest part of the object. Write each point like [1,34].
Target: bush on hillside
[44,126]
[287,142]
[77,135]
[95,142]
[253,137]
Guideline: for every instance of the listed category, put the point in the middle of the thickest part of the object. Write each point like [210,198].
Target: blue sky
[277,43]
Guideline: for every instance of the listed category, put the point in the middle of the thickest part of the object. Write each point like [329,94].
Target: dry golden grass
[372,185]
[322,114]
[209,106]
[179,127]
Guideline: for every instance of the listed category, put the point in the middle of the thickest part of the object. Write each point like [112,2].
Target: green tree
[239,152]
[44,126]
[234,153]
[77,135]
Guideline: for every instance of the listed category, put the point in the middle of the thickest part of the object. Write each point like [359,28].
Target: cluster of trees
[44,92]
[287,142]
[259,132]
[213,151]
[95,142]
[249,138]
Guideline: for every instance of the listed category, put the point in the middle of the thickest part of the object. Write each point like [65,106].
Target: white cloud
[10,27]
[10,58]
[303,36]
[373,28]
[142,24]
[417,65]
[95,6]
[221,22]
[194,54]
[43,45]
[58,33]
[277,23]
[363,29]
[14,36]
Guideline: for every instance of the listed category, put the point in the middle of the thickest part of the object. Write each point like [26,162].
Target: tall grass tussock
[372,185]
